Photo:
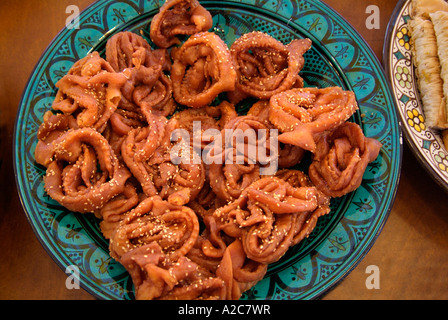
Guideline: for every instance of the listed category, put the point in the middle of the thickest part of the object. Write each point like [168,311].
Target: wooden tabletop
[411,253]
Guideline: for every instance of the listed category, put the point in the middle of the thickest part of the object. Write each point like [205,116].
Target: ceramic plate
[425,143]
[339,57]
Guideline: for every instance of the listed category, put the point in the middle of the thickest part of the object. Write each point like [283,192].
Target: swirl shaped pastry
[84,173]
[156,98]
[174,228]
[304,113]
[116,209]
[210,246]
[237,163]
[127,50]
[265,66]
[146,86]
[297,179]
[288,155]
[176,18]
[52,127]
[126,117]
[280,197]
[260,109]
[90,91]
[206,202]
[147,153]
[198,122]
[152,242]
[238,272]
[267,217]
[285,210]
[201,70]
[341,159]
[157,277]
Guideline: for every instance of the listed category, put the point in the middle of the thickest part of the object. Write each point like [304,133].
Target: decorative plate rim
[362,247]
[440,177]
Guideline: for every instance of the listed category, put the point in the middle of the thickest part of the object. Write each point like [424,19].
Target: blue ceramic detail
[339,56]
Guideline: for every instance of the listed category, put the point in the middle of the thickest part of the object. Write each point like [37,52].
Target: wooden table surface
[411,252]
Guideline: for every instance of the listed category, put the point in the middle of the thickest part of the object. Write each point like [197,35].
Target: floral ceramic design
[425,143]
[339,56]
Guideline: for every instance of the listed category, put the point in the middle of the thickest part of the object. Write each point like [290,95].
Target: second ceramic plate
[425,143]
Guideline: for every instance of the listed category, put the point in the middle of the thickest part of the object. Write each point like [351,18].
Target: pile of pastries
[196,215]
[428,29]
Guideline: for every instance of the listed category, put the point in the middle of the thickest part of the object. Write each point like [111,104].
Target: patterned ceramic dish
[339,57]
[425,143]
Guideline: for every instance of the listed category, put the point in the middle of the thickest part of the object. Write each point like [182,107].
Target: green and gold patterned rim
[339,56]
